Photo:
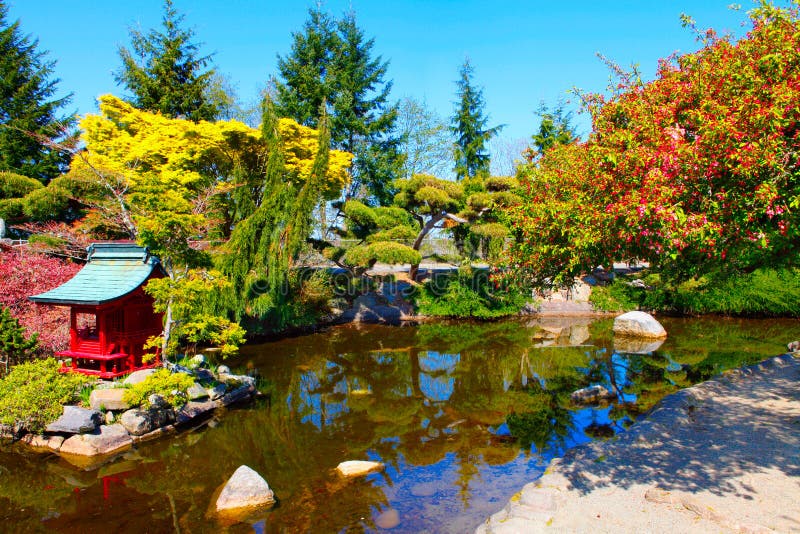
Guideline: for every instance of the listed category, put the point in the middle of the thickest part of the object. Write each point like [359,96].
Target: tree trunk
[413,271]
[167,331]
[2,228]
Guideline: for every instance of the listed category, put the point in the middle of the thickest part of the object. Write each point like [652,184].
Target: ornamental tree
[694,172]
[175,182]
[15,346]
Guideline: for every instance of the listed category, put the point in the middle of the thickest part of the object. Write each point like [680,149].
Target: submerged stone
[357,468]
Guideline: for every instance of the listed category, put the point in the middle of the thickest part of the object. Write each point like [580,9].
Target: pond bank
[718,456]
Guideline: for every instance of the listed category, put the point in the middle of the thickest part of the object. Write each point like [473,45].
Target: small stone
[108,399]
[218,391]
[638,324]
[140,422]
[356,468]
[110,418]
[592,394]
[223,370]
[245,489]
[196,391]
[197,361]
[388,519]
[76,420]
[107,439]
[39,442]
[157,401]
[138,377]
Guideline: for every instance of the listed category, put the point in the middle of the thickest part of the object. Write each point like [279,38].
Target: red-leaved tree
[24,273]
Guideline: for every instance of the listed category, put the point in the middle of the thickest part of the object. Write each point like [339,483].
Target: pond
[462,414]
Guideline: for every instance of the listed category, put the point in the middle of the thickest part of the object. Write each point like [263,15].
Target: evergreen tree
[332,61]
[29,125]
[164,72]
[469,125]
[15,346]
[555,128]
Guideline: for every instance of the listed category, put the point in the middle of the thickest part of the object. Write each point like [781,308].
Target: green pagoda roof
[113,271]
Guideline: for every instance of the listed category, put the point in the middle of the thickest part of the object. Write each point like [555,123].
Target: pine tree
[15,346]
[469,125]
[30,127]
[332,61]
[164,72]
[555,128]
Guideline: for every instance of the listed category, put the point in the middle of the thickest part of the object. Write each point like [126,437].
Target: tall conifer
[164,72]
[469,125]
[30,127]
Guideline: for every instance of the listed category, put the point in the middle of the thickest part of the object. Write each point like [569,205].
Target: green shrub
[12,208]
[764,292]
[468,294]
[171,386]
[619,296]
[32,394]
[46,203]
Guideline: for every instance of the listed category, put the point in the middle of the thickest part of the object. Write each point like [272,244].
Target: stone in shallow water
[388,519]
[357,468]
[638,324]
[76,420]
[105,440]
[196,391]
[245,489]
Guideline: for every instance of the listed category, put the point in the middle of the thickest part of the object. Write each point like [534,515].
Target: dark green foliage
[469,125]
[32,394]
[468,294]
[29,122]
[764,292]
[164,72]
[11,208]
[554,129]
[14,185]
[332,63]
[264,245]
[15,345]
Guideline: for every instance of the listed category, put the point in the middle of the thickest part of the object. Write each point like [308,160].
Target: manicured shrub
[15,346]
[468,294]
[171,386]
[32,394]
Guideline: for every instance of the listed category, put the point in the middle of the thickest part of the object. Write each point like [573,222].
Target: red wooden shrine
[111,317]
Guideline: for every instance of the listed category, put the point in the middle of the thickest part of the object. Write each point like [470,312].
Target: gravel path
[722,456]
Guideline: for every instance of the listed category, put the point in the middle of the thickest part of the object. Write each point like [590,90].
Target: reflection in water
[462,415]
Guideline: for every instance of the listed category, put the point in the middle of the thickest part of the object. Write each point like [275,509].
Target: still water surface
[462,414]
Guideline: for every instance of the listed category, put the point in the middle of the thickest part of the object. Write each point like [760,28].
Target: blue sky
[523,52]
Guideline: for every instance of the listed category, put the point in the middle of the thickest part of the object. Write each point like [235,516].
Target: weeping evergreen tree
[264,246]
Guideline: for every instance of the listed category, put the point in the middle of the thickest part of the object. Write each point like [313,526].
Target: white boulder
[245,489]
[638,324]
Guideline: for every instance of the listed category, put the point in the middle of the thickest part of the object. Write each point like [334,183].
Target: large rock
[139,422]
[193,409]
[238,394]
[638,324]
[137,377]
[357,468]
[107,439]
[245,489]
[108,399]
[76,420]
